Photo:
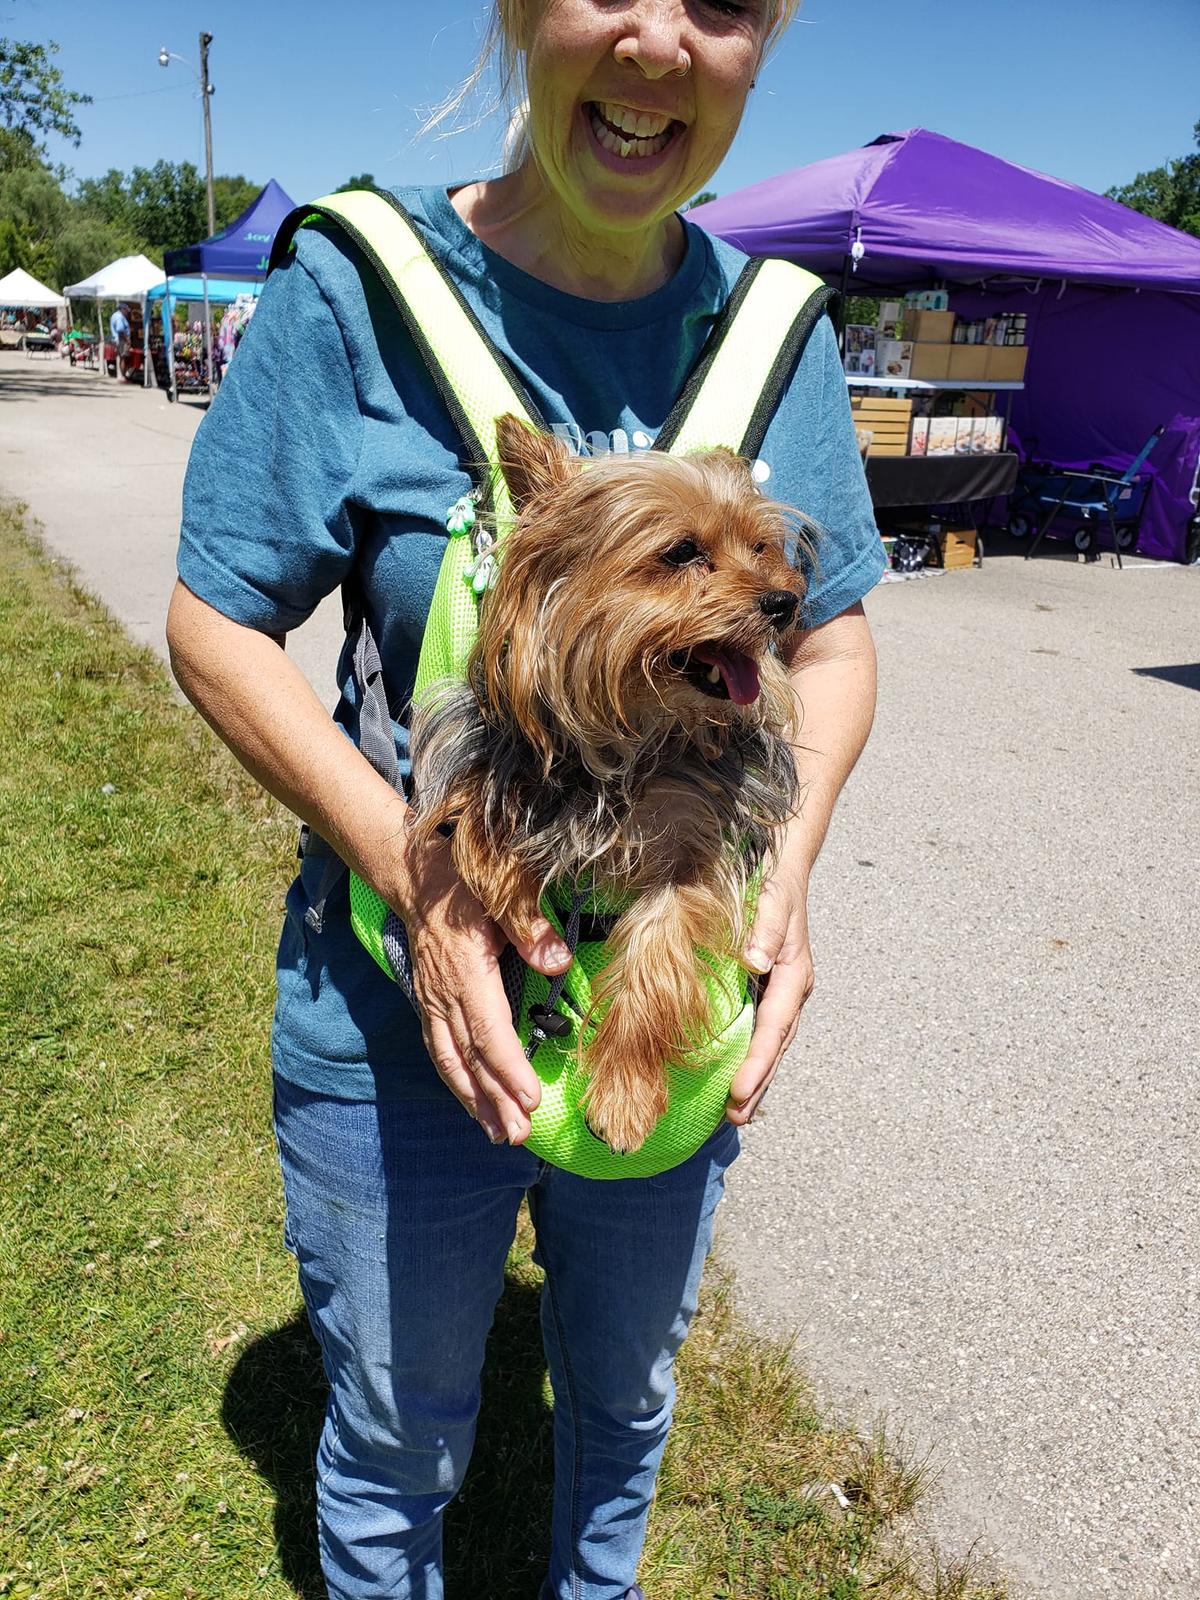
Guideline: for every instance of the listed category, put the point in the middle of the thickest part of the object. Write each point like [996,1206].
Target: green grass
[160,1395]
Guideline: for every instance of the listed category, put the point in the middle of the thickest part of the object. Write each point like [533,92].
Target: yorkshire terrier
[625,723]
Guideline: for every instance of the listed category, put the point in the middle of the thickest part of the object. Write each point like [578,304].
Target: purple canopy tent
[243,249]
[1113,298]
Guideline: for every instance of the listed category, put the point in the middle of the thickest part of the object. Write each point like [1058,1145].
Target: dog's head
[636,590]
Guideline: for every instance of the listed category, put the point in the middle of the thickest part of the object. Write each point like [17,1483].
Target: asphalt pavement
[974,1192]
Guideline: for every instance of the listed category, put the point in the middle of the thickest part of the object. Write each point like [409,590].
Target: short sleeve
[268,520]
[815,465]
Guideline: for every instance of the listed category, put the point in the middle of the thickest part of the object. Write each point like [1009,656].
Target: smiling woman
[618,114]
[598,304]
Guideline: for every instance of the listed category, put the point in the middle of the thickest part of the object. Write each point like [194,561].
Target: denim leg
[623,1262]
[400,1215]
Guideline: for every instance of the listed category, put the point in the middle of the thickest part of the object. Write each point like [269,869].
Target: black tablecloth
[938,480]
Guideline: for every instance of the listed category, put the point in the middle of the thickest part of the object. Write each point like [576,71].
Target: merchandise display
[922,387]
[233,325]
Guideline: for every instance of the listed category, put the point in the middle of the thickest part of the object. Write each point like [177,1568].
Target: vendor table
[938,480]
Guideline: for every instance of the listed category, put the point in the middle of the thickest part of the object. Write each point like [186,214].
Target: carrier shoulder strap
[475,380]
[728,398]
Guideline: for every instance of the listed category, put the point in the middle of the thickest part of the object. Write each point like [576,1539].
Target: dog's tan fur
[580,751]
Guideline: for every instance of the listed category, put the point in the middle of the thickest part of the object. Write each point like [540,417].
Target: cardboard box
[893,358]
[942,433]
[1006,362]
[969,361]
[930,361]
[957,547]
[929,327]
[951,548]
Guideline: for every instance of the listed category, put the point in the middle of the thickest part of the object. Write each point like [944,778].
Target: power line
[140,94]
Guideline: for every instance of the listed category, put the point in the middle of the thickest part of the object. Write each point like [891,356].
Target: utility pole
[206,90]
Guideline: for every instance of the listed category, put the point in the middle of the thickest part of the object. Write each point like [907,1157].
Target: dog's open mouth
[719,671]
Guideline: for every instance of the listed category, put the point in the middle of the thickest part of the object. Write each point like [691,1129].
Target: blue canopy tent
[239,254]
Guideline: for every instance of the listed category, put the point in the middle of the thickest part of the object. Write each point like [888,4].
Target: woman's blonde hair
[500,46]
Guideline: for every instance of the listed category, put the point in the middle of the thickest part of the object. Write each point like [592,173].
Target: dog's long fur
[578,749]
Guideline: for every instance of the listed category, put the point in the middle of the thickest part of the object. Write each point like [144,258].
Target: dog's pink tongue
[739,671]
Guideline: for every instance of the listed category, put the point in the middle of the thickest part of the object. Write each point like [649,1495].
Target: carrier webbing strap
[732,392]
[475,381]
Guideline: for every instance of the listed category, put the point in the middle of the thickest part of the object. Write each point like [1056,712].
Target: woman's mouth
[628,134]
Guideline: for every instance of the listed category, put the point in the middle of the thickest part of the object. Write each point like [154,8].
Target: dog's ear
[735,467]
[531,462]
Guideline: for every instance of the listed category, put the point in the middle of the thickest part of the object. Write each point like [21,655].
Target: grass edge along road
[160,1395]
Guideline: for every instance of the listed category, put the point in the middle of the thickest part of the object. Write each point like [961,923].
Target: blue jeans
[400,1215]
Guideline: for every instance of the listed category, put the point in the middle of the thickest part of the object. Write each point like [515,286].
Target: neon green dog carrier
[728,399]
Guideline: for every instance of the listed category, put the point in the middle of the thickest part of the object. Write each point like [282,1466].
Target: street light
[165,58]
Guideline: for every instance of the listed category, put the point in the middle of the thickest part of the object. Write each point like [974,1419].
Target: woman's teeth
[629,133]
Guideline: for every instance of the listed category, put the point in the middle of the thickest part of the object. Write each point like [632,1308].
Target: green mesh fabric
[368,913]
[697,1092]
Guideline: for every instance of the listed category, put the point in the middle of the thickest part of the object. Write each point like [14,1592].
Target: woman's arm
[260,703]
[833,672]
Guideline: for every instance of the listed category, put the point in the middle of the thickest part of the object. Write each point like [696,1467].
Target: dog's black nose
[779,605]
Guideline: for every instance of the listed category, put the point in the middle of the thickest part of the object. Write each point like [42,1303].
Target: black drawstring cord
[549,1023]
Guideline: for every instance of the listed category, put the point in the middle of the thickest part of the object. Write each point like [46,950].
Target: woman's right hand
[465,1016]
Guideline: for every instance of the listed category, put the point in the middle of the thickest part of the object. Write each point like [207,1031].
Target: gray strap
[375,737]
[375,741]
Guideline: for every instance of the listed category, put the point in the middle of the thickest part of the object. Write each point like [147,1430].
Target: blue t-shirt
[327,450]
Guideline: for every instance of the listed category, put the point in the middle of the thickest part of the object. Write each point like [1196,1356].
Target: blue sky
[1089,90]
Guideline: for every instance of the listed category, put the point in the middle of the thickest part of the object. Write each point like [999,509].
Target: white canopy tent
[19,291]
[129,278]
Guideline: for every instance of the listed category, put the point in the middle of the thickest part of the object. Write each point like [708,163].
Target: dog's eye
[683,553]
[760,547]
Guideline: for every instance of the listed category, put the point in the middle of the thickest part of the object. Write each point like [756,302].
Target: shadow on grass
[496,1531]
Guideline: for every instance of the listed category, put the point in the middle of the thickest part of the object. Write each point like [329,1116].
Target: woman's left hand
[777,946]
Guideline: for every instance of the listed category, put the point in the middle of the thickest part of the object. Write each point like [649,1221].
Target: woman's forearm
[261,705]
[833,674]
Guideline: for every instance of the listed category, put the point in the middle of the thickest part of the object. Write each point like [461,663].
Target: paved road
[101,464]
[975,1191]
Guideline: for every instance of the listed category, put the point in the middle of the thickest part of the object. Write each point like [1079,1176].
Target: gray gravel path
[101,463]
[974,1190]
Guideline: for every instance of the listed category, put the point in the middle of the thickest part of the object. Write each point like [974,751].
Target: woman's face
[623,136]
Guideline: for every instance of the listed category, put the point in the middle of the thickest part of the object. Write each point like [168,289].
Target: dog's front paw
[621,1110]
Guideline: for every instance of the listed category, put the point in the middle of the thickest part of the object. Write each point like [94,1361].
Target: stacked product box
[957,436]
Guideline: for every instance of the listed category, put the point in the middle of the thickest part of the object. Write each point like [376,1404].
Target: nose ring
[684,67]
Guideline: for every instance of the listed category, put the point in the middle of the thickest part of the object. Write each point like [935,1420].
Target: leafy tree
[164,206]
[1170,194]
[34,210]
[364,180]
[231,196]
[18,149]
[33,98]
[84,245]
